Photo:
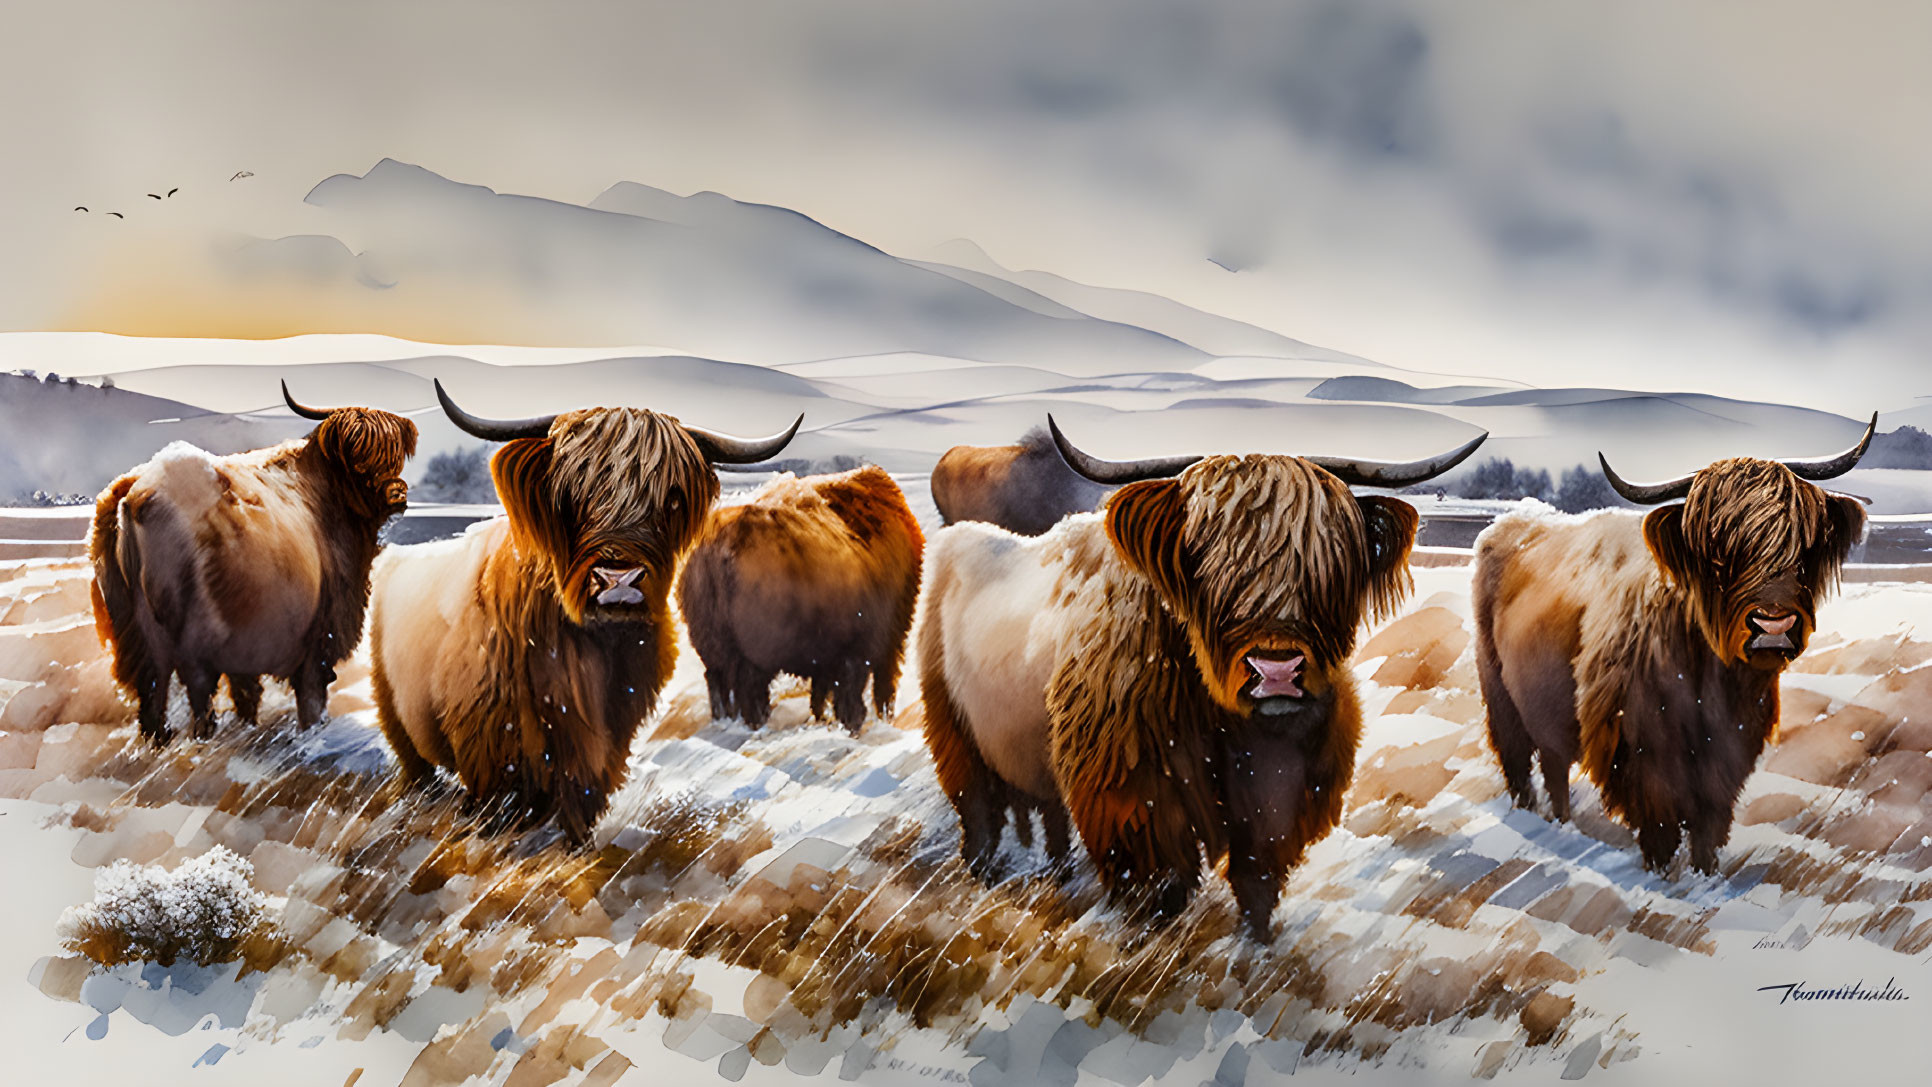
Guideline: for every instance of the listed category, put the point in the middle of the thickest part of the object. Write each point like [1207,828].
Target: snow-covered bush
[457,475]
[203,912]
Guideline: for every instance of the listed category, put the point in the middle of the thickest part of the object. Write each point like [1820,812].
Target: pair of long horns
[1650,494]
[1356,473]
[717,448]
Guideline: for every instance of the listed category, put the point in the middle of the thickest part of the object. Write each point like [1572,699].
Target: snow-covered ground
[787,903]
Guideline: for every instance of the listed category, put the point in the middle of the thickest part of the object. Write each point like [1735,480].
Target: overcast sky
[1656,194]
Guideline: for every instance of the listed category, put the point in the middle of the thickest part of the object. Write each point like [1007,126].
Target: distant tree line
[1580,488]
[1906,447]
[457,475]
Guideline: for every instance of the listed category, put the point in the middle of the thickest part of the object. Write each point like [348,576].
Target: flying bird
[174,190]
[117,215]
[78,208]
[154,196]
[241,174]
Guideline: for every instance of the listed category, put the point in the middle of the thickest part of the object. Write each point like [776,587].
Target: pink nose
[617,586]
[1773,626]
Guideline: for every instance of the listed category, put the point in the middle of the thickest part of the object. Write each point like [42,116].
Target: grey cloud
[1167,102]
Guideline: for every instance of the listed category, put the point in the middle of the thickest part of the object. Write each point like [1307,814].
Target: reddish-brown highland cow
[814,576]
[1025,488]
[1175,672]
[245,566]
[1649,647]
[525,654]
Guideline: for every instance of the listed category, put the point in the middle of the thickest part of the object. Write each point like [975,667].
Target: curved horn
[495,430]
[305,412]
[1113,472]
[725,449]
[1376,473]
[1648,494]
[1828,467]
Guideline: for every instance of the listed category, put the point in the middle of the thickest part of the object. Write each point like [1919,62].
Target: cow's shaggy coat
[511,655]
[1637,644]
[816,577]
[1106,667]
[245,566]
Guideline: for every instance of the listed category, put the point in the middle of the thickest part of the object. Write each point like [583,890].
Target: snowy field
[787,904]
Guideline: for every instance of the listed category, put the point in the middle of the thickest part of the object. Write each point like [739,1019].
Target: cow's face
[609,500]
[1270,564]
[1755,547]
[369,446]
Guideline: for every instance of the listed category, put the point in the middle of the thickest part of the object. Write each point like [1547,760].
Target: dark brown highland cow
[814,576]
[1175,673]
[245,566]
[525,654]
[1024,488]
[1649,647]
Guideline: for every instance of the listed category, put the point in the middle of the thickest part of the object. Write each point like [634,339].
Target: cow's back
[230,563]
[1551,592]
[967,480]
[804,571]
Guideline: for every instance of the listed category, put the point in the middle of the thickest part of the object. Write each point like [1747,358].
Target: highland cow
[525,654]
[1025,488]
[245,566]
[1174,672]
[814,576]
[1649,647]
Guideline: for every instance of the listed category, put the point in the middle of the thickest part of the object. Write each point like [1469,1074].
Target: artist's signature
[927,1071]
[1857,990]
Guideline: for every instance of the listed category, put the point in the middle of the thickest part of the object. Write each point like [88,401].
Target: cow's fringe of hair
[372,445]
[1753,519]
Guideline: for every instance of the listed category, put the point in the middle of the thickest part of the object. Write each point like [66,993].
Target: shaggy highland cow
[245,566]
[1175,672]
[814,576]
[1649,647]
[1025,488]
[525,654]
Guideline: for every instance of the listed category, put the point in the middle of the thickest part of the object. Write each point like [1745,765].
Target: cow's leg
[982,814]
[1556,782]
[1059,840]
[885,686]
[1149,891]
[1658,841]
[200,682]
[151,694]
[1507,736]
[848,696]
[1708,833]
[246,694]
[720,692]
[577,807]
[821,692]
[754,696]
[977,793]
[311,683]
[1257,888]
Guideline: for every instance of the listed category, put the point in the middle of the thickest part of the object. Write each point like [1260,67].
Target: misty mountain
[704,274]
[76,438]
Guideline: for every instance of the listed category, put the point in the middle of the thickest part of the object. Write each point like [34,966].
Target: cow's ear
[1664,535]
[1145,522]
[1390,524]
[1845,524]
[521,470]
